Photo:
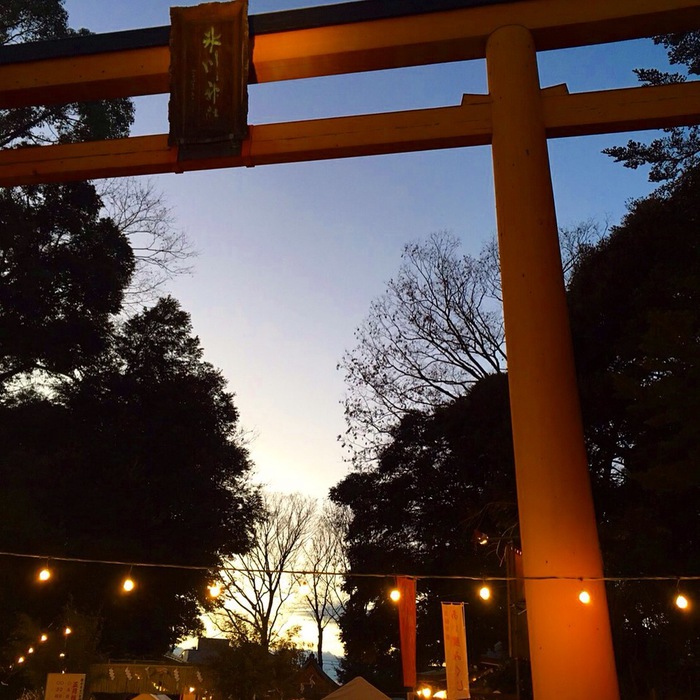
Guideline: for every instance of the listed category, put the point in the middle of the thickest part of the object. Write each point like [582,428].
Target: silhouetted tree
[323,556]
[138,211]
[678,149]
[445,474]
[119,441]
[247,671]
[63,271]
[635,305]
[136,462]
[36,20]
[436,330]
[258,584]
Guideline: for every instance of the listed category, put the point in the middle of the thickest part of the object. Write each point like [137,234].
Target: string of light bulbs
[42,639]
[681,601]
[45,572]
[484,593]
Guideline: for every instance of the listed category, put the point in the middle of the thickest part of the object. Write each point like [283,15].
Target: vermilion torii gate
[571,648]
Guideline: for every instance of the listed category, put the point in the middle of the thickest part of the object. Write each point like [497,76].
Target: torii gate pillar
[570,643]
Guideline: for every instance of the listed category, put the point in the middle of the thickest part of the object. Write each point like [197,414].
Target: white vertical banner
[456,663]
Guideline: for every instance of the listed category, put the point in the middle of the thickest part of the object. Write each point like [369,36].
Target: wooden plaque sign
[209,79]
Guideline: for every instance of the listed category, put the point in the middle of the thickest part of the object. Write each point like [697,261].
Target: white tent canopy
[357,689]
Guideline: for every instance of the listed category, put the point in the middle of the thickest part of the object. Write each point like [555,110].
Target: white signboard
[65,686]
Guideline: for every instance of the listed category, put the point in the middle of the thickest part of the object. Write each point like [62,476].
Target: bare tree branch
[162,250]
[436,330]
[325,552]
[258,588]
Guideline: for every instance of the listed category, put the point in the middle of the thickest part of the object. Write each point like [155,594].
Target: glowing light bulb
[395,595]
[484,592]
[214,590]
[585,597]
[67,631]
[45,574]
[682,602]
[20,660]
[62,655]
[191,689]
[30,650]
[128,584]
[43,637]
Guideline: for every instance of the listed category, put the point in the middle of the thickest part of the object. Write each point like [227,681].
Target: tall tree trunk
[319,647]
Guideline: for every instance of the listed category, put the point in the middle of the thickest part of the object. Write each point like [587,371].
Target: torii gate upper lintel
[306,43]
[571,648]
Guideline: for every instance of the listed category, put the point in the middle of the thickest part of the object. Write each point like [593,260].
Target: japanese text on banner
[456,662]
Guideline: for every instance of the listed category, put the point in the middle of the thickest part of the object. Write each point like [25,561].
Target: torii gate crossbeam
[571,648]
[469,124]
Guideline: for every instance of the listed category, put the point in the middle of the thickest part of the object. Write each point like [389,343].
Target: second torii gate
[571,647]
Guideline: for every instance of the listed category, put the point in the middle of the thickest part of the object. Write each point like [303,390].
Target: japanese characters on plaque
[212,86]
[65,686]
[209,79]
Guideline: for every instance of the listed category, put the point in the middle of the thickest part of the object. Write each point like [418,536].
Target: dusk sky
[290,256]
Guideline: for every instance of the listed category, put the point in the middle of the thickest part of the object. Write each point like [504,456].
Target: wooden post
[570,643]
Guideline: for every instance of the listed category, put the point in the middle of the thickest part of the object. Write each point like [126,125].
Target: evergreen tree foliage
[678,150]
[635,309]
[134,206]
[118,439]
[137,462]
[246,670]
[23,21]
[635,305]
[63,270]
[444,475]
